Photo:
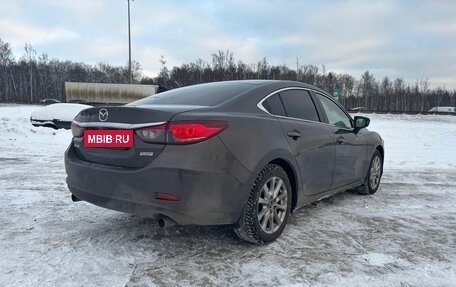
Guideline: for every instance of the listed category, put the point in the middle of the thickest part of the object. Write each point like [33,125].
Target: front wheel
[267,210]
[374,175]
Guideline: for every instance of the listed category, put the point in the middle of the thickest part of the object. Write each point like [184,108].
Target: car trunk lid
[125,118]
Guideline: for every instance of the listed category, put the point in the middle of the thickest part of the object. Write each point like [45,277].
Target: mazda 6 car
[240,153]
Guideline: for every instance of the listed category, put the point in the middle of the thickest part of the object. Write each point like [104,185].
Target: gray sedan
[241,153]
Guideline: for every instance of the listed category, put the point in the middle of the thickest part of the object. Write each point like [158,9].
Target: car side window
[298,104]
[335,114]
[274,105]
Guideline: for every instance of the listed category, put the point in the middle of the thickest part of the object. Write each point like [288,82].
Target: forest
[34,77]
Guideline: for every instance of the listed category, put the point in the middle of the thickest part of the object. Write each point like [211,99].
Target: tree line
[33,77]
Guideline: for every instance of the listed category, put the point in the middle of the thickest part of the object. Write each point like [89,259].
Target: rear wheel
[268,207]
[374,175]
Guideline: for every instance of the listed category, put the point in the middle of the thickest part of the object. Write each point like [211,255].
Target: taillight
[155,134]
[76,130]
[182,132]
[191,132]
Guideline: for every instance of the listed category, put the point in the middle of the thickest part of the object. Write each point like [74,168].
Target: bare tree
[33,78]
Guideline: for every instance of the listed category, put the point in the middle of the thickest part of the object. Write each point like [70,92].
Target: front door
[351,149]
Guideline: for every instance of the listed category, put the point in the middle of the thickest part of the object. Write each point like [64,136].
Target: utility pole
[129,45]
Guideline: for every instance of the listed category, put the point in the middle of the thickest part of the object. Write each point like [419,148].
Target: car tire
[266,212]
[374,175]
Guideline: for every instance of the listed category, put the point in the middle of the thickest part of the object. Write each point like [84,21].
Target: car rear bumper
[212,186]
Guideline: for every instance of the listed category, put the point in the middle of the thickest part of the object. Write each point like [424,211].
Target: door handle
[294,134]
[341,140]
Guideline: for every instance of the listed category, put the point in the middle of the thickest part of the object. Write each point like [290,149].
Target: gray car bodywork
[213,178]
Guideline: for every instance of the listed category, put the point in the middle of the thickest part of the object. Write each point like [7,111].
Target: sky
[413,40]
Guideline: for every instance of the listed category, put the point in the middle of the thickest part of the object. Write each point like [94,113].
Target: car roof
[274,83]
[219,93]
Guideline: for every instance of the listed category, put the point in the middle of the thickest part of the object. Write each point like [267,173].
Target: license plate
[108,138]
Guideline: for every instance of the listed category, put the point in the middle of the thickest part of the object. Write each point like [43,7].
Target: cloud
[447,82]
[105,48]
[149,58]
[246,49]
[408,39]
[19,33]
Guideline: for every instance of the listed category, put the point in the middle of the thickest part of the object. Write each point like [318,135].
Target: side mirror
[361,122]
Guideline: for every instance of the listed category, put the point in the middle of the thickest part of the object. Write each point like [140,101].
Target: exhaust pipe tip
[164,222]
[75,199]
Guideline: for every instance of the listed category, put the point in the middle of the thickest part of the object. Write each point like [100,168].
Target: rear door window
[274,105]
[298,104]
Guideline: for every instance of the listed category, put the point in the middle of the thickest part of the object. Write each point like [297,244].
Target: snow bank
[417,142]
[64,112]
[18,134]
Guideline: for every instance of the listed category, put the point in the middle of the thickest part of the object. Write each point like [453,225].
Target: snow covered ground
[404,235]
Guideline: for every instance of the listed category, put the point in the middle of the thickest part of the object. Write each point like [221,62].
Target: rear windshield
[201,95]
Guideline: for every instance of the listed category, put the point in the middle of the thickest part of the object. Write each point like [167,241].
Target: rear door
[310,140]
[351,149]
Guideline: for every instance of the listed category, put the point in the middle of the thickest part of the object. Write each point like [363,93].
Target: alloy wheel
[272,205]
[375,172]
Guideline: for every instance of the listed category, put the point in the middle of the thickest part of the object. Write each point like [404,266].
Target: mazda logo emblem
[103,115]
